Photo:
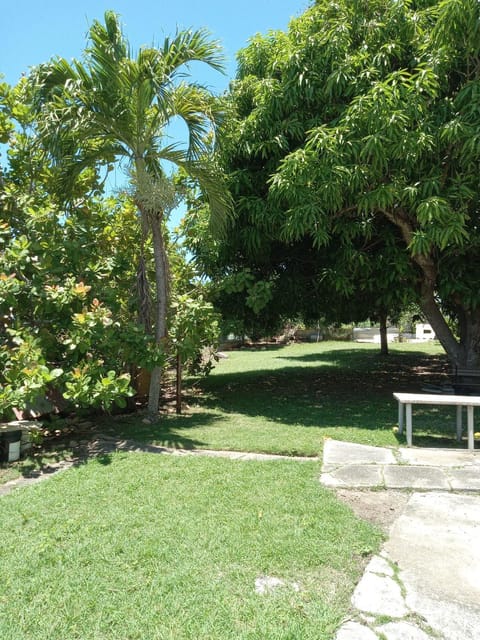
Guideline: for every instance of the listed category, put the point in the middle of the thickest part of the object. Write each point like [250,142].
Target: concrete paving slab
[434,593]
[335,452]
[354,475]
[435,543]
[380,595]
[413,468]
[329,480]
[450,620]
[402,631]
[355,631]
[415,477]
[438,457]
[466,479]
[326,468]
[380,566]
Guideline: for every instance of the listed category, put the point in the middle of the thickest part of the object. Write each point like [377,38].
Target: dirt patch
[379,507]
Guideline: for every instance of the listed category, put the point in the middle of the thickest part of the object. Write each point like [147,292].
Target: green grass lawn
[289,399]
[141,546]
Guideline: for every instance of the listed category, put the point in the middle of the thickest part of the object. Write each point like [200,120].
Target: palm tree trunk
[160,307]
[178,394]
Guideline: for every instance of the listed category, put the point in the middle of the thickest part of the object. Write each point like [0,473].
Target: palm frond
[112,104]
[107,42]
[212,183]
[49,80]
[188,46]
[196,108]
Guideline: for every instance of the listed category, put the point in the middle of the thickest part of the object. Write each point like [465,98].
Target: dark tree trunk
[383,334]
[438,323]
[469,330]
[463,353]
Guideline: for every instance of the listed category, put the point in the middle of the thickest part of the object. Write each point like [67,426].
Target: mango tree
[356,134]
[402,150]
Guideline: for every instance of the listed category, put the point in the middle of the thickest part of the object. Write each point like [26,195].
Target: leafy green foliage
[194,331]
[90,386]
[66,277]
[355,135]
[52,325]
[115,106]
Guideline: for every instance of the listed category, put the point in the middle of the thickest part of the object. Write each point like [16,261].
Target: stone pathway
[354,465]
[425,583]
[380,600]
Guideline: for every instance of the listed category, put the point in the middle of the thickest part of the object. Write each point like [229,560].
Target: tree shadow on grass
[434,428]
[38,462]
[170,431]
[348,389]
[345,367]
[315,404]
[105,459]
[434,441]
[374,361]
[258,347]
[127,433]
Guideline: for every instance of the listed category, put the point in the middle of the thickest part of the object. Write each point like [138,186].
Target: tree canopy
[357,134]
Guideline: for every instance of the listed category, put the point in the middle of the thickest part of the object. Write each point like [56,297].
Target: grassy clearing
[135,546]
[289,399]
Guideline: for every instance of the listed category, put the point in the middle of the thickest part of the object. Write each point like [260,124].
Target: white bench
[409,399]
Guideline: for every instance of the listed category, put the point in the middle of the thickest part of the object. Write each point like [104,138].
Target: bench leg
[400,418]
[470,427]
[459,423]
[409,424]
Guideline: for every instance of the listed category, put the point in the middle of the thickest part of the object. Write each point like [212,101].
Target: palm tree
[115,106]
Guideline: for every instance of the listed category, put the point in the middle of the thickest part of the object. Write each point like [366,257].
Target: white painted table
[409,399]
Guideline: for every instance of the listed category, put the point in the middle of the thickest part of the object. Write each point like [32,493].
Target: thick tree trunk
[383,334]
[469,330]
[463,353]
[438,323]
[160,307]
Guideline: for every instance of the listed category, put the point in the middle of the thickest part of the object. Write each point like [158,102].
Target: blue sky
[34,30]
